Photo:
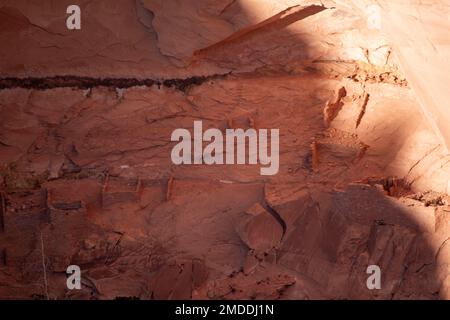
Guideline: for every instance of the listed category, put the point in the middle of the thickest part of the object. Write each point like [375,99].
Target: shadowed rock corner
[87,179]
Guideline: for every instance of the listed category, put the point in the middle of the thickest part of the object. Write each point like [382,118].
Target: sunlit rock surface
[87,178]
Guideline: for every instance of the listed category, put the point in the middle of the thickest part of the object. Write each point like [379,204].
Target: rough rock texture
[87,179]
[418,31]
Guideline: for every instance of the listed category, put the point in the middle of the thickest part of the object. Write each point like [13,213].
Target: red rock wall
[87,178]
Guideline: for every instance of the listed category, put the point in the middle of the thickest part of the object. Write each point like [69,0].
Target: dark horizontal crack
[45,83]
[68,206]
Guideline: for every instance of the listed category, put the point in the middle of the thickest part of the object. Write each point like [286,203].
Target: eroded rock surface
[87,178]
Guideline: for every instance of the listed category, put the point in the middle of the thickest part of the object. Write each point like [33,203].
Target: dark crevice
[2,212]
[46,83]
[277,217]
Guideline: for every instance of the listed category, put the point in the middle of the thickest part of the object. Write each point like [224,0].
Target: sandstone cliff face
[87,178]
